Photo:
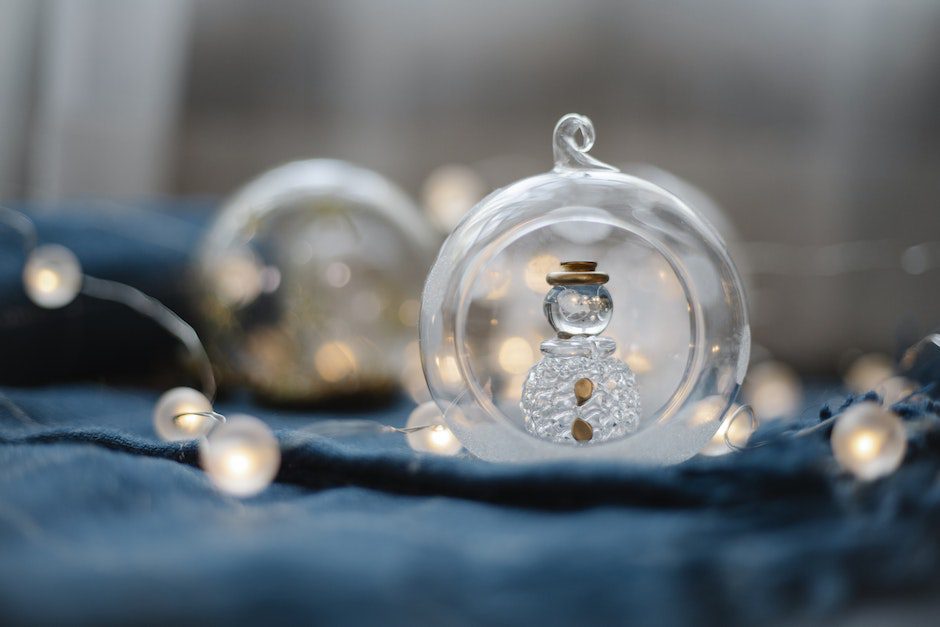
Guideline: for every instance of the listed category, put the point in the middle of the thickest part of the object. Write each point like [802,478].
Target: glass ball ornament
[308,282]
[869,441]
[180,414]
[671,321]
[241,456]
[52,276]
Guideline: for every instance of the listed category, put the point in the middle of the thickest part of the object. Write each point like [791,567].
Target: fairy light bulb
[449,192]
[869,441]
[896,389]
[241,456]
[437,439]
[516,356]
[735,430]
[178,415]
[773,389]
[52,276]
[868,372]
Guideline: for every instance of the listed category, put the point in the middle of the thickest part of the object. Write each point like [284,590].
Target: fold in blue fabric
[102,523]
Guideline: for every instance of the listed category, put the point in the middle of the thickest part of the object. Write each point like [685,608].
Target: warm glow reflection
[408,312]
[736,426]
[239,462]
[638,362]
[896,389]
[440,436]
[869,440]
[189,422]
[496,283]
[47,280]
[449,192]
[865,445]
[515,356]
[707,410]
[430,435]
[335,361]
[773,389]
[237,277]
[868,372]
[536,269]
[450,372]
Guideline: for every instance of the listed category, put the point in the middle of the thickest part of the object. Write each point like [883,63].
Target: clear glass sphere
[436,439]
[579,309]
[178,415]
[52,276]
[241,456]
[309,279]
[869,441]
[680,321]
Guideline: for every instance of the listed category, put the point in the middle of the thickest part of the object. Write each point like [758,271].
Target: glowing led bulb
[868,372]
[896,389]
[176,416]
[735,430]
[869,441]
[449,192]
[438,439]
[515,355]
[773,389]
[52,276]
[241,456]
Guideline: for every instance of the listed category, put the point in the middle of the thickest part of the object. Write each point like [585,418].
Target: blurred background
[814,126]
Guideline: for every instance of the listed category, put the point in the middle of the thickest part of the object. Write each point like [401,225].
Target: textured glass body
[551,407]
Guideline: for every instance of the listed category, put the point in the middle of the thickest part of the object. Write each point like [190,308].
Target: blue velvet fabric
[102,523]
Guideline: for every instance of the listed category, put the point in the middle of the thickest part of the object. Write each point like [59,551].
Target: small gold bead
[581,430]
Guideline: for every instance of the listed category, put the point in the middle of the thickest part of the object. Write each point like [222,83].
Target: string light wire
[104,289]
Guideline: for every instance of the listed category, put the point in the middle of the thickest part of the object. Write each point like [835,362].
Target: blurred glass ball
[52,276]
[773,389]
[309,281]
[869,441]
[241,456]
[430,436]
[869,371]
[180,415]
[448,194]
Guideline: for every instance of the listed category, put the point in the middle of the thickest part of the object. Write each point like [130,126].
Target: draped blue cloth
[101,523]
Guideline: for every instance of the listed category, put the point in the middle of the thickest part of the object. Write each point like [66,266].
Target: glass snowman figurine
[578,392]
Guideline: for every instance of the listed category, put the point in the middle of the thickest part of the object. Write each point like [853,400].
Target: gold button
[581,430]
